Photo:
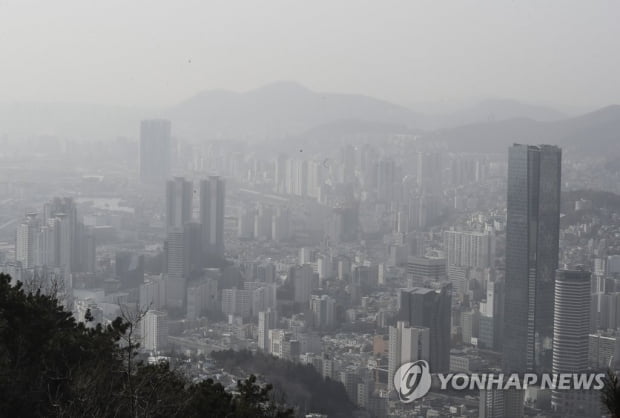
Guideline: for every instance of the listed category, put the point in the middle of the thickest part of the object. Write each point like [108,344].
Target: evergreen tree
[51,365]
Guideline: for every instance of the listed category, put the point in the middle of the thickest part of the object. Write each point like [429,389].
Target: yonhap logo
[412,381]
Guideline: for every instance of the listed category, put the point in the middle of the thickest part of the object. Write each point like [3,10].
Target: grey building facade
[430,308]
[532,238]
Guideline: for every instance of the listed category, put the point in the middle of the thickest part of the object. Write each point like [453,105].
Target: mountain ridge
[288,110]
[278,110]
[588,133]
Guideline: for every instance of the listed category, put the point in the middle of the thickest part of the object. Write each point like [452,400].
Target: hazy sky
[134,52]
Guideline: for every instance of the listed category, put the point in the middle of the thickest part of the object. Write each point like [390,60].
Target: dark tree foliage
[299,384]
[50,365]
[610,394]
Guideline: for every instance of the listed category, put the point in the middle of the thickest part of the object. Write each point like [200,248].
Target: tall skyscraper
[430,182]
[179,193]
[212,205]
[155,150]
[532,239]
[491,318]
[180,245]
[193,246]
[571,327]
[430,308]
[406,344]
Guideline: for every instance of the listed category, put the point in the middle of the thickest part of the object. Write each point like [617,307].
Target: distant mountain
[594,132]
[290,113]
[490,111]
[278,110]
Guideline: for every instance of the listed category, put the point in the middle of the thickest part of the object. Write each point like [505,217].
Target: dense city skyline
[309,209]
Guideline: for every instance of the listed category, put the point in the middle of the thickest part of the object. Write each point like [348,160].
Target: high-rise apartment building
[281,225]
[284,345]
[303,283]
[58,240]
[263,223]
[61,213]
[604,350]
[245,223]
[26,241]
[152,293]
[532,239]
[323,310]
[430,172]
[237,302]
[177,261]
[296,177]
[389,181]
[280,174]
[469,249]
[202,297]
[263,296]
[406,344]
[267,320]
[154,331]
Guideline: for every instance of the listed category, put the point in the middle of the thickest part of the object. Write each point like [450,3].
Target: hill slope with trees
[51,365]
[298,384]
